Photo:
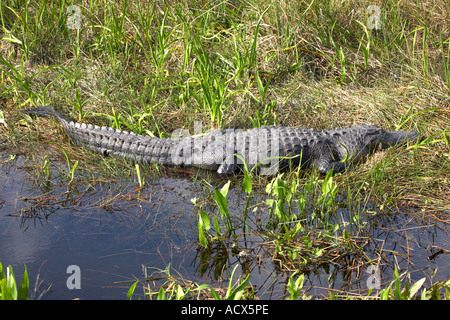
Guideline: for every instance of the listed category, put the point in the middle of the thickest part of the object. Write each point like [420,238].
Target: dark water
[109,239]
[111,229]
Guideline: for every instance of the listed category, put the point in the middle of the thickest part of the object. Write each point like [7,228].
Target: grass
[161,66]
[177,288]
[8,286]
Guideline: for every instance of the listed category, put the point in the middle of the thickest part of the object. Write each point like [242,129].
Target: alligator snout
[393,138]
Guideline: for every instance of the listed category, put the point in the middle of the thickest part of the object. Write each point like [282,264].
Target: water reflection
[110,239]
[112,229]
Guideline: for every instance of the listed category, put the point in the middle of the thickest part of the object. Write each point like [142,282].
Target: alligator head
[360,141]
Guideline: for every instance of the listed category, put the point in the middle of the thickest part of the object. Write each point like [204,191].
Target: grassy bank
[156,67]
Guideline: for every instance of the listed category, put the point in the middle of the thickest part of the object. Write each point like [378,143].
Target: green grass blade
[24,286]
[131,290]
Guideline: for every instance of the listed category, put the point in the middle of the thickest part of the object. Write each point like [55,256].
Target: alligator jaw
[393,138]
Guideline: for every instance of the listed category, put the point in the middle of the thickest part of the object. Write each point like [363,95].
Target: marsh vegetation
[159,66]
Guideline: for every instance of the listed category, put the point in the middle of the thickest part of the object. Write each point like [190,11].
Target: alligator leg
[325,164]
[227,168]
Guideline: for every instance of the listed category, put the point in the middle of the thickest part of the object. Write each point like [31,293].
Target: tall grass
[210,58]
[8,286]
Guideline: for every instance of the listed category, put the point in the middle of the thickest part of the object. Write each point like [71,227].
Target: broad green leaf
[205,220]
[327,182]
[415,287]
[11,283]
[247,183]
[237,293]
[131,290]
[230,282]
[5,295]
[180,293]
[221,202]
[397,285]
[23,287]
[201,234]
[224,190]
[217,226]
[2,274]
[161,294]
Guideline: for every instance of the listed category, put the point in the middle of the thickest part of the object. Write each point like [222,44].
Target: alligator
[267,149]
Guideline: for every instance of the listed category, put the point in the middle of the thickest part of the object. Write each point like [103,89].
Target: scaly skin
[270,149]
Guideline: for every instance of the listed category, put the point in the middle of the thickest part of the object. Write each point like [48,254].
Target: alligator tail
[109,141]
